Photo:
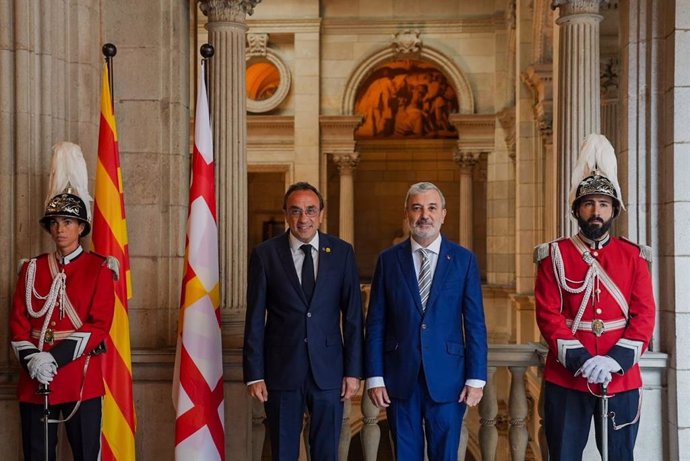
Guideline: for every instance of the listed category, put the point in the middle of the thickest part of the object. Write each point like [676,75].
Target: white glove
[42,366]
[598,369]
[46,373]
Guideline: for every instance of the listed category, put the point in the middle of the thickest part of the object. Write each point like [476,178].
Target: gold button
[598,311]
[595,254]
[53,323]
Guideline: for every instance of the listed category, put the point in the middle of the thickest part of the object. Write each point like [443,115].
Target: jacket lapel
[285,256]
[407,268]
[326,264]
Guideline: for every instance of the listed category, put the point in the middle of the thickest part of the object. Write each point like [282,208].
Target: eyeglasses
[311,212]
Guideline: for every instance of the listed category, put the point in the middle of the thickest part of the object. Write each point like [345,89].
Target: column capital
[610,80]
[346,161]
[227,10]
[577,7]
[466,159]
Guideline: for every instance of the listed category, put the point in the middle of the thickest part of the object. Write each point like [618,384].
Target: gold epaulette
[645,251]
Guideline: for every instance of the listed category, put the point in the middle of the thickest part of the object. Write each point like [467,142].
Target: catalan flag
[198,378]
[110,238]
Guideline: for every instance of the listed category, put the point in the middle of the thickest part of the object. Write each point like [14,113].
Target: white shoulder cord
[586,285]
[57,288]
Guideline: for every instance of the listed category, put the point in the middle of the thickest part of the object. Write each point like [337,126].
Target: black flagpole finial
[207,50]
[109,50]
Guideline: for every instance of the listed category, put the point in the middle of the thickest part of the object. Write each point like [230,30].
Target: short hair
[298,186]
[420,188]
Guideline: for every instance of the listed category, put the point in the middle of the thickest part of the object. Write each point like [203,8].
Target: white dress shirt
[298,254]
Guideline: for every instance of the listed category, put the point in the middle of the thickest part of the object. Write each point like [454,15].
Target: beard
[420,232]
[594,228]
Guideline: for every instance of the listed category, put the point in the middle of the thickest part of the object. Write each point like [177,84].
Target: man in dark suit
[303,336]
[426,344]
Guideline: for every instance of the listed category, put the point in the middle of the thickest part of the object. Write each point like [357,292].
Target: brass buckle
[598,327]
[49,338]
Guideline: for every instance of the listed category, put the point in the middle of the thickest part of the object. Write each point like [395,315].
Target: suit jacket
[448,341]
[285,336]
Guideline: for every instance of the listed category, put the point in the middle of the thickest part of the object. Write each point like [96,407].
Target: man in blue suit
[303,337]
[426,344]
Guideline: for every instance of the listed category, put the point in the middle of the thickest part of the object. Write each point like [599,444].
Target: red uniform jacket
[623,340]
[90,289]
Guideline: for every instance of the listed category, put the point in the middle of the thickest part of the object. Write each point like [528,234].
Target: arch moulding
[426,53]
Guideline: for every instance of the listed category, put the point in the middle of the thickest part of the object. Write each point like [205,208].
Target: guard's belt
[51,335]
[598,326]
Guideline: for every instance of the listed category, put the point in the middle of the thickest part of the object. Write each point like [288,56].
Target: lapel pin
[327,249]
[448,257]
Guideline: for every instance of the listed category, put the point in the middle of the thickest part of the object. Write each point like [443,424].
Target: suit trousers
[285,414]
[568,417]
[411,418]
[83,430]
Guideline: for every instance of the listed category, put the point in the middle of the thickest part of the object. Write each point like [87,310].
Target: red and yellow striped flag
[198,376]
[110,238]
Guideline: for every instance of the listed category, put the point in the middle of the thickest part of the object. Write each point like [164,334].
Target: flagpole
[207,51]
[109,237]
[109,51]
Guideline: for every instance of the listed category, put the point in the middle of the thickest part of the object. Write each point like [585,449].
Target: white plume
[596,157]
[68,171]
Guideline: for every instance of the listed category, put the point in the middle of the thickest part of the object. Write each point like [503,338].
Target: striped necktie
[424,276]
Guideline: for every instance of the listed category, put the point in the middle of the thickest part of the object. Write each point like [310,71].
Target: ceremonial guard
[62,311]
[595,309]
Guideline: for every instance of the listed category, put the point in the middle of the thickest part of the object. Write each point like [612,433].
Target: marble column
[466,160]
[226,31]
[578,112]
[346,164]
